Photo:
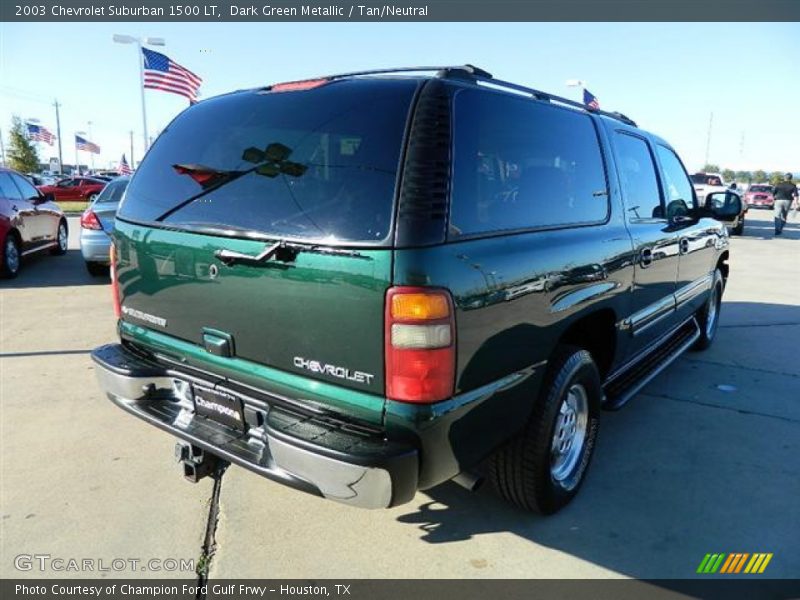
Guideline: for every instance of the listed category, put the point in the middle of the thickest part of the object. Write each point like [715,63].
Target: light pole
[578,83]
[152,41]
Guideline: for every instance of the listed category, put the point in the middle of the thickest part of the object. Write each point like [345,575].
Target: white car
[706,183]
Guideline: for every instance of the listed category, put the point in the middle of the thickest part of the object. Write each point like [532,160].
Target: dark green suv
[369,284]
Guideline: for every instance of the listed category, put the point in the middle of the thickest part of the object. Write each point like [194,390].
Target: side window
[678,189]
[8,189]
[67,183]
[28,191]
[638,178]
[519,164]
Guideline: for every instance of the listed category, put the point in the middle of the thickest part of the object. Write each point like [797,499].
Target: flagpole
[141,88]
[58,133]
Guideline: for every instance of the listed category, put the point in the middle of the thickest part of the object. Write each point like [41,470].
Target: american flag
[163,73]
[38,133]
[86,145]
[590,100]
[124,168]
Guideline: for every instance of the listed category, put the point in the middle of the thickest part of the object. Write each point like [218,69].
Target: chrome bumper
[382,475]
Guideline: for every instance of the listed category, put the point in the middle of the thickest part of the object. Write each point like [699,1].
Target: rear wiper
[283,251]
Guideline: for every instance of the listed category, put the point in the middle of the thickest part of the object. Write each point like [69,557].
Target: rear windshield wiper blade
[283,251]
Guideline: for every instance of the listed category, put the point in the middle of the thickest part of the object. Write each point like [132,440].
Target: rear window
[520,165]
[113,191]
[704,179]
[319,164]
[760,188]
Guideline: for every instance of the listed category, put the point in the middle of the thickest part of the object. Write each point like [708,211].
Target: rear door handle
[646,257]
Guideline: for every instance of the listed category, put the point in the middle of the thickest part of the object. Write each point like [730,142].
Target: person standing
[785,192]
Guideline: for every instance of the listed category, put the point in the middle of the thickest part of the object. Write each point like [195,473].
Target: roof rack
[475,74]
[546,97]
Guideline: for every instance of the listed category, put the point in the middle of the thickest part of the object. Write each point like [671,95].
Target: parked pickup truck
[365,285]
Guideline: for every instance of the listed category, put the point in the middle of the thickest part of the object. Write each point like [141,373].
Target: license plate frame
[220,407]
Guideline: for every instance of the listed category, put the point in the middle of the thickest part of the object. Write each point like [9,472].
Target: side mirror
[724,206]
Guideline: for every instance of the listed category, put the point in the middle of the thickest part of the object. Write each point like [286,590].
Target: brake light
[112,255]
[89,220]
[296,86]
[420,344]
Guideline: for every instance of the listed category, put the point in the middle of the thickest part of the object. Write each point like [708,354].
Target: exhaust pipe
[196,463]
[468,480]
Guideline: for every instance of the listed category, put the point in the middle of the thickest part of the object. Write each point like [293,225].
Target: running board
[622,388]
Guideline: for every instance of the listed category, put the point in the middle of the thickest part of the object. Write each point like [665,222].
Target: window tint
[678,190]
[519,164]
[25,186]
[638,178]
[8,189]
[314,164]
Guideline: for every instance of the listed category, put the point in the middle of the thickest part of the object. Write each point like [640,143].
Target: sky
[669,77]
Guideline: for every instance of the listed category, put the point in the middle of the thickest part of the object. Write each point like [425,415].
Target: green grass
[67,206]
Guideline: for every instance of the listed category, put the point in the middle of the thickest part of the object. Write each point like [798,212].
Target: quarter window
[638,178]
[520,164]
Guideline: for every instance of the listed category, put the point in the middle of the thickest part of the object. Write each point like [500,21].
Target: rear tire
[708,315]
[97,269]
[543,467]
[62,239]
[11,257]
[739,229]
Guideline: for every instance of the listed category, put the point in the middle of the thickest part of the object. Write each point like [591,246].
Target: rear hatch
[305,178]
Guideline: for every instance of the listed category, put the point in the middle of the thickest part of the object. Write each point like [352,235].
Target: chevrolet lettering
[332,370]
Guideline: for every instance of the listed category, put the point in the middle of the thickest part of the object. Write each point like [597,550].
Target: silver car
[97,222]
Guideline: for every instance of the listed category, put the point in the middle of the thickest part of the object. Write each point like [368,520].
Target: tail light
[420,345]
[89,220]
[112,255]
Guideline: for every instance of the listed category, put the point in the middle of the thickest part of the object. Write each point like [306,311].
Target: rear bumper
[95,246]
[308,453]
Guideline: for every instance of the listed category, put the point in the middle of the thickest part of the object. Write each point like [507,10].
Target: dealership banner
[418,589]
[405,10]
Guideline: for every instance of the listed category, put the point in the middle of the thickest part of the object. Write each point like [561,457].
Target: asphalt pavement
[705,459]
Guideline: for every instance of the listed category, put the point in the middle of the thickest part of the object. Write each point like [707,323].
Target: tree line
[759,176]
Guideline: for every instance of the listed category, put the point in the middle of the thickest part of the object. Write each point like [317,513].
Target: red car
[30,221]
[75,189]
[759,195]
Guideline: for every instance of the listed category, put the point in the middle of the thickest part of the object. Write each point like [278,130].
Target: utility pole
[2,148]
[58,133]
[131,163]
[708,140]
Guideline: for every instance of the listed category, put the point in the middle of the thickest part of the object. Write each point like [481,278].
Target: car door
[655,242]
[43,220]
[68,189]
[697,238]
[20,210]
